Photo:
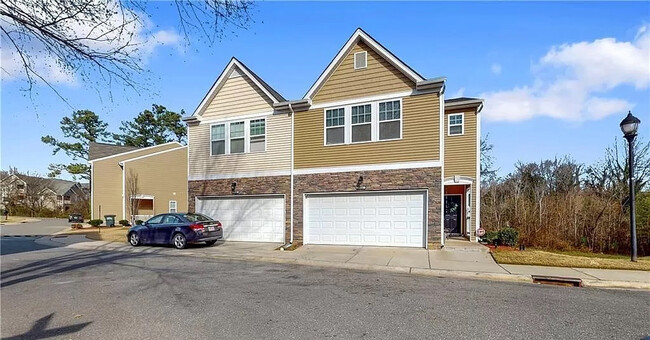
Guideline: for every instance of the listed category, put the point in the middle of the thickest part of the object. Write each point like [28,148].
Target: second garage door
[393,218]
[253,219]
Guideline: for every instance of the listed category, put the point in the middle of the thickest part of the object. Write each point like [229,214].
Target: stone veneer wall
[245,186]
[422,178]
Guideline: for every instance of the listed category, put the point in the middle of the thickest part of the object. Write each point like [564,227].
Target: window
[455,124]
[390,120]
[335,126]
[218,139]
[361,123]
[237,137]
[170,219]
[360,60]
[20,186]
[172,206]
[258,135]
[155,219]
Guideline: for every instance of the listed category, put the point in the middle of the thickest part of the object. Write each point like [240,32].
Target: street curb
[517,278]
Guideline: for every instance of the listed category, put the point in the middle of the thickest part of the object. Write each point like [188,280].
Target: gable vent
[235,73]
[360,60]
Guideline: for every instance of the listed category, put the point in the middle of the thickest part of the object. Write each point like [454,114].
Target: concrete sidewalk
[457,259]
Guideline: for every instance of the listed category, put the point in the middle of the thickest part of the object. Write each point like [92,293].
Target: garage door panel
[387,219]
[258,219]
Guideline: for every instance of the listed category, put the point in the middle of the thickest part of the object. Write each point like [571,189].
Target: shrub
[508,236]
[139,222]
[124,223]
[491,236]
[76,226]
[95,222]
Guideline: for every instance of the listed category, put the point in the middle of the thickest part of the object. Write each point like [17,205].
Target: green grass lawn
[579,259]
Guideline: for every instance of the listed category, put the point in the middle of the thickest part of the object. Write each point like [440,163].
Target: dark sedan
[177,229]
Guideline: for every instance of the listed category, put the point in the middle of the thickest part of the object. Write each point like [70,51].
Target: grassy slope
[569,259]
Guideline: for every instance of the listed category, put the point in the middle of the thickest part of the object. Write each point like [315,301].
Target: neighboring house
[373,154]
[137,183]
[41,192]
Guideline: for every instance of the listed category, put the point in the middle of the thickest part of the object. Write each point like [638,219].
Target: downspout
[286,246]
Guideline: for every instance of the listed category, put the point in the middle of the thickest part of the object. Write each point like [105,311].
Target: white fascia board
[152,154]
[221,80]
[360,35]
[133,151]
[241,175]
[369,167]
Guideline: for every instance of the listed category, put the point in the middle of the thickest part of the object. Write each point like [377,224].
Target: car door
[147,235]
[163,231]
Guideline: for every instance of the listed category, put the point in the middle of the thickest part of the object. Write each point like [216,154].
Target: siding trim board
[369,167]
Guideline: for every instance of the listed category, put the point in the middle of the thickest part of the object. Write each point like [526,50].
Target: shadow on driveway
[39,329]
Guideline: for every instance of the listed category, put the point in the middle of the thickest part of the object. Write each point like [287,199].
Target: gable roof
[58,186]
[361,35]
[221,80]
[101,150]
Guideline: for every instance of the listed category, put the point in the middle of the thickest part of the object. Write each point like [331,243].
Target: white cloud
[138,35]
[570,81]
[496,68]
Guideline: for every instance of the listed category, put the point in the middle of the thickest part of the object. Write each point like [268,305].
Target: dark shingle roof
[59,186]
[460,99]
[100,150]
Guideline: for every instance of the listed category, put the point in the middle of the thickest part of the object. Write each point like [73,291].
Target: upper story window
[258,135]
[456,124]
[20,186]
[173,206]
[360,60]
[237,137]
[390,120]
[335,126]
[361,123]
[368,122]
[218,139]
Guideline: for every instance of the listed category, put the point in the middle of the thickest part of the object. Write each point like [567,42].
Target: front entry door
[453,214]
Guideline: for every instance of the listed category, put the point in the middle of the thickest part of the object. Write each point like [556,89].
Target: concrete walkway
[457,259]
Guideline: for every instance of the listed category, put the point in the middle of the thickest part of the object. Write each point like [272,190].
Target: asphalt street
[18,238]
[72,294]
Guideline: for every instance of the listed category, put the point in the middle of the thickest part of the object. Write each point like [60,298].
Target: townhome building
[373,154]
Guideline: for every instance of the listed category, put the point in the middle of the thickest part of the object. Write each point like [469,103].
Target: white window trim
[462,125]
[244,137]
[354,60]
[175,206]
[345,124]
[225,131]
[247,139]
[374,121]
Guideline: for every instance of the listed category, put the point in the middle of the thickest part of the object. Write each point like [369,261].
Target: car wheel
[134,239]
[210,242]
[179,241]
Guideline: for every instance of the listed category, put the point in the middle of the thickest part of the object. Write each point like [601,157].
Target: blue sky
[557,77]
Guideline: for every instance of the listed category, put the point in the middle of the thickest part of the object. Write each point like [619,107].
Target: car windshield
[197,217]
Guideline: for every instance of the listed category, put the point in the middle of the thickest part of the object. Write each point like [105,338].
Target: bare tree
[99,40]
[132,192]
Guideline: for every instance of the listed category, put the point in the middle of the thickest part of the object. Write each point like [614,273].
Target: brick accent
[422,178]
[245,186]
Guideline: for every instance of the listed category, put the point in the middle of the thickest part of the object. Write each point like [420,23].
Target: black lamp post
[629,126]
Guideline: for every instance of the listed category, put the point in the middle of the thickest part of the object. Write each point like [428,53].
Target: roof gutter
[436,84]
[293,105]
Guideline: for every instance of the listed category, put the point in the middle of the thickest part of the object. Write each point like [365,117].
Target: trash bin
[109,220]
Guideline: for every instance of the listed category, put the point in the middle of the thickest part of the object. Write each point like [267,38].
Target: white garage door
[381,219]
[253,219]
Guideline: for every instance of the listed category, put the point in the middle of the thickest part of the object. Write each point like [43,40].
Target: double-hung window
[361,123]
[455,124]
[257,135]
[335,126]
[390,120]
[218,139]
[172,206]
[237,137]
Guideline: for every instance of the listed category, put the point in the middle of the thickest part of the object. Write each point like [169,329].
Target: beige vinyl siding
[238,95]
[163,176]
[379,77]
[420,140]
[107,181]
[277,156]
[460,153]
